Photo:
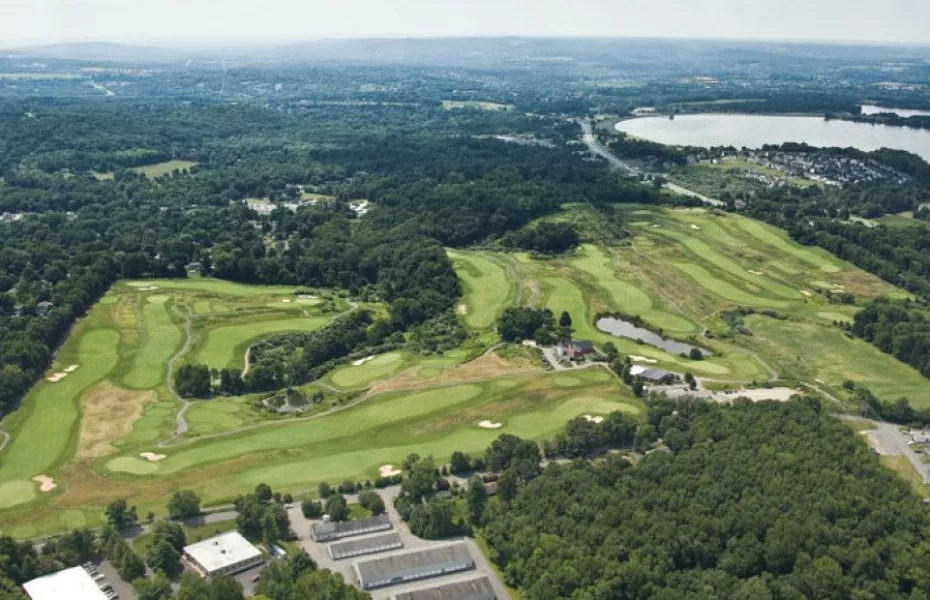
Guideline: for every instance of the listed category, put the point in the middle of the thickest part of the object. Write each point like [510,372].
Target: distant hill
[98,51]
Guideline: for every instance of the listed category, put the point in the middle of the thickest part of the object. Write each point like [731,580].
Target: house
[651,375]
[42,308]
[574,350]
[222,555]
[74,584]
[193,267]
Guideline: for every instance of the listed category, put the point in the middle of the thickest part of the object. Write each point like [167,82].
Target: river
[754,131]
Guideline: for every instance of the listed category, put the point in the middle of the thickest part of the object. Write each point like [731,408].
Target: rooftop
[365,545]
[414,564]
[346,528]
[222,551]
[73,584]
[473,589]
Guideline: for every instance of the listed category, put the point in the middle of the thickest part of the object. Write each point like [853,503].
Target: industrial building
[366,545]
[222,555]
[73,584]
[473,589]
[411,566]
[330,530]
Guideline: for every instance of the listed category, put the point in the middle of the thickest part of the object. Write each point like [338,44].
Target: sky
[46,21]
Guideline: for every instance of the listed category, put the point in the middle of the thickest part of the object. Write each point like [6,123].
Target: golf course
[103,423]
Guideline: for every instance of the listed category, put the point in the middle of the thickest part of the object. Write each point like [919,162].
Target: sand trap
[594,419]
[693,226]
[806,293]
[490,425]
[756,272]
[55,378]
[286,300]
[152,457]
[635,358]
[46,483]
[656,226]
[71,368]
[362,361]
[388,471]
[308,297]
[148,288]
[462,309]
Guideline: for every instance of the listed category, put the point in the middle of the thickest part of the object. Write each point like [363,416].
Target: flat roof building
[412,566]
[366,545]
[331,530]
[479,588]
[73,584]
[222,555]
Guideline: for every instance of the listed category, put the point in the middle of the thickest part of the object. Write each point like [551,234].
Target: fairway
[160,339]
[216,286]
[488,289]
[351,376]
[225,347]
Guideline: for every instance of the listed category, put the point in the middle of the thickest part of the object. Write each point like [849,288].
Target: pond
[621,328]
[754,131]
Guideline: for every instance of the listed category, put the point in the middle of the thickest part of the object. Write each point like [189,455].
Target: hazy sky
[903,21]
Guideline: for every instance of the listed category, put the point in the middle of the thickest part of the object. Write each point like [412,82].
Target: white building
[73,584]
[222,555]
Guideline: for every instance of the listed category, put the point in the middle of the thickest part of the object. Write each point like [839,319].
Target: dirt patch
[108,415]
[490,424]
[46,483]
[488,366]
[152,457]
[389,471]
[593,419]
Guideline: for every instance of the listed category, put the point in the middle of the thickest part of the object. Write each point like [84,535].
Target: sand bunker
[636,358]
[57,377]
[71,368]
[148,288]
[286,300]
[46,483]
[152,457]
[362,361]
[462,309]
[756,272]
[693,226]
[388,471]
[308,297]
[594,419]
[806,293]
[490,424]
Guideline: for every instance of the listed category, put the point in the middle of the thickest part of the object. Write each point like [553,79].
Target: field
[164,168]
[475,104]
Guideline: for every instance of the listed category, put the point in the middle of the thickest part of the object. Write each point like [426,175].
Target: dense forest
[760,501]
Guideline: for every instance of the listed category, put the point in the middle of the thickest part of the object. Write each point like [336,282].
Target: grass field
[225,347]
[351,376]
[488,289]
[164,168]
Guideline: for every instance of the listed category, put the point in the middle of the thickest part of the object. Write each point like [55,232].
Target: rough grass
[108,414]
[488,289]
[159,339]
[225,346]
[164,168]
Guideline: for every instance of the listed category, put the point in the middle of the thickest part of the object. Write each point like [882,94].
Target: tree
[696,354]
[131,566]
[263,492]
[183,505]
[336,507]
[325,585]
[325,490]
[507,486]
[459,463]
[475,500]
[162,556]
[347,487]
[433,520]
[690,380]
[156,588]
[301,563]
[421,478]
[193,381]
[565,320]
[171,533]
[120,515]
[193,587]
[224,587]
[311,509]
[371,501]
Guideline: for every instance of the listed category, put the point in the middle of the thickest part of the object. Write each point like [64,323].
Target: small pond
[621,328]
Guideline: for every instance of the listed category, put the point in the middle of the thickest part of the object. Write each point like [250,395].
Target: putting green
[567,381]
[351,376]
[214,416]
[159,340]
[488,289]
[132,465]
[225,346]
[13,493]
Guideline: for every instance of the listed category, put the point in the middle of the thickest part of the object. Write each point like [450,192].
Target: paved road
[888,440]
[597,148]
[181,427]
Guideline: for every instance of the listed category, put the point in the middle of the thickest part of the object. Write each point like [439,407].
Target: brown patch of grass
[108,415]
[488,366]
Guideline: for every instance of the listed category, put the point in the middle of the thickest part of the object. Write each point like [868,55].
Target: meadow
[164,168]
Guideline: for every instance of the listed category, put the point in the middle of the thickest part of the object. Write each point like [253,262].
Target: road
[888,440]
[599,149]
[181,427]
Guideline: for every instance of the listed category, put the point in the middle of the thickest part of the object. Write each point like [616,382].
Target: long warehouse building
[412,566]
[473,589]
[330,530]
[366,545]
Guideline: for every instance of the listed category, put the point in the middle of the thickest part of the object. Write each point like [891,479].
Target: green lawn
[488,289]
[164,168]
[225,346]
[160,338]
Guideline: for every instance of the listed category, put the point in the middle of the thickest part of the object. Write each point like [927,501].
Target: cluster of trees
[298,578]
[901,329]
[428,515]
[21,562]
[812,514]
[262,516]
[524,323]
[888,118]
[583,436]
[544,237]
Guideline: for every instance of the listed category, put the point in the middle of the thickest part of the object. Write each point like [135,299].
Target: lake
[871,109]
[754,131]
[621,328]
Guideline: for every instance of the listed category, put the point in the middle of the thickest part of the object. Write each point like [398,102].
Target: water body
[871,109]
[754,131]
[621,328]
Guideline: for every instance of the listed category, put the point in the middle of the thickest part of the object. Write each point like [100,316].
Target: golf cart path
[181,422]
